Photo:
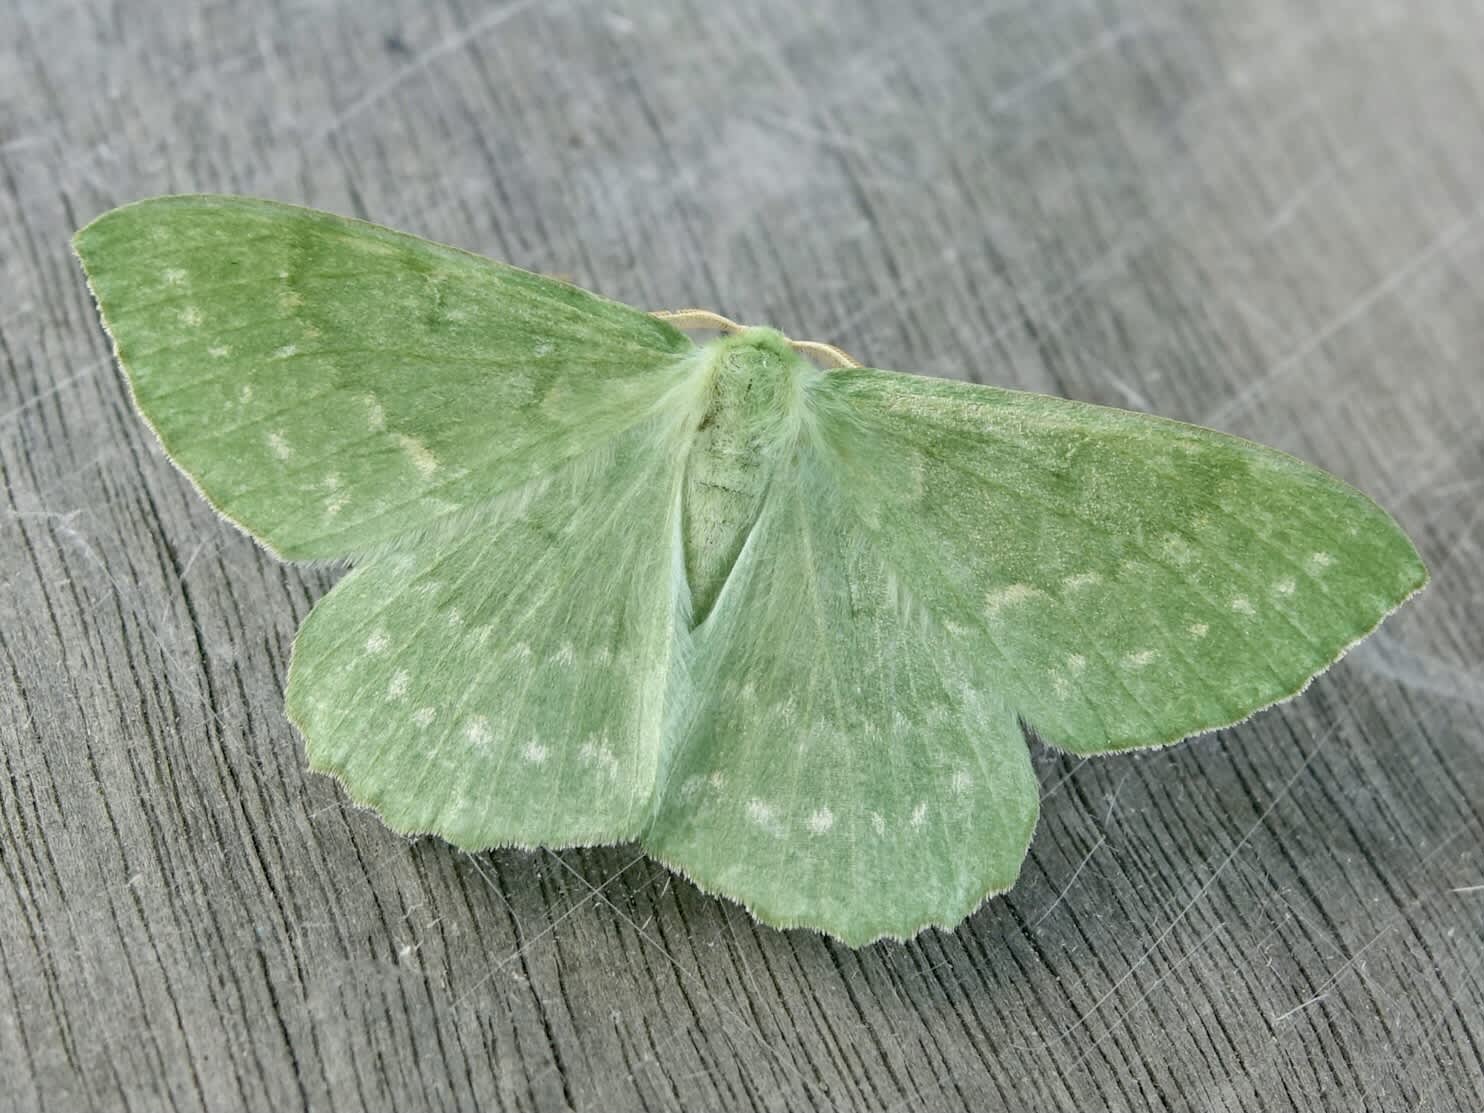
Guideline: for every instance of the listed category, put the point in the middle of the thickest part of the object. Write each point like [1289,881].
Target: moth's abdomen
[747,422]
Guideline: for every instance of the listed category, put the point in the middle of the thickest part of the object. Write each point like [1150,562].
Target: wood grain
[1264,216]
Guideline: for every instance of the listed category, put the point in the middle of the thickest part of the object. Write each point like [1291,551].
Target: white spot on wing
[1076,663]
[423,716]
[335,498]
[535,753]
[1080,580]
[191,316]
[1321,560]
[962,781]
[761,813]
[1198,629]
[877,823]
[1285,587]
[1242,605]
[173,276]
[398,686]
[286,352]
[477,731]
[377,642]
[821,820]
[1003,597]
[594,754]
[218,351]
[1139,659]
[421,456]
[1178,549]
[278,446]
[919,815]
[375,415]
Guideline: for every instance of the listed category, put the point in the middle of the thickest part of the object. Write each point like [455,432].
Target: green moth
[779,624]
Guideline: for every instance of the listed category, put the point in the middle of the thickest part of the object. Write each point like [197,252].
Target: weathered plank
[1264,216]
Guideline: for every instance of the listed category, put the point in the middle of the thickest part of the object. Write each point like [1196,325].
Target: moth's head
[758,346]
[755,381]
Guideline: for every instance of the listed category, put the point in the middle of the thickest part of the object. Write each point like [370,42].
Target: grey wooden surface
[1263,216]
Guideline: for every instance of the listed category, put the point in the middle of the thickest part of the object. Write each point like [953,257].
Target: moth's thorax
[751,394]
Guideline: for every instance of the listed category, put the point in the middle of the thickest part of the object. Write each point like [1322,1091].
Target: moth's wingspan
[505,687]
[1132,580]
[833,760]
[330,384]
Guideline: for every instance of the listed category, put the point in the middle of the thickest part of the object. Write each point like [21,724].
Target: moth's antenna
[825,351]
[697,318]
[705,318]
